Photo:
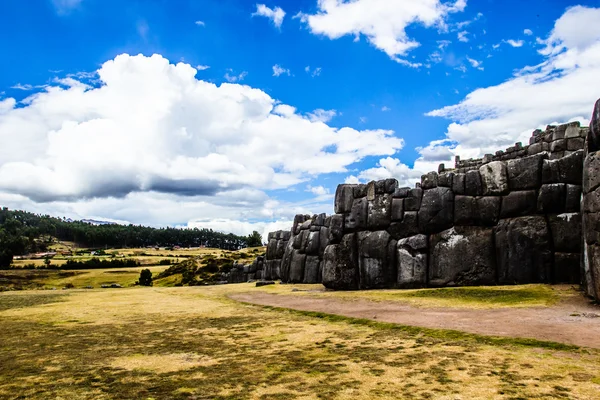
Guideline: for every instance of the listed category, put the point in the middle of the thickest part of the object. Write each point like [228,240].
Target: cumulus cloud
[151,143]
[475,63]
[320,115]
[388,168]
[200,23]
[276,14]
[462,36]
[382,22]
[515,43]
[202,67]
[528,32]
[560,89]
[278,70]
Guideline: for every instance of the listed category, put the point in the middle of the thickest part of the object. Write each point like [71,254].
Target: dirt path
[558,323]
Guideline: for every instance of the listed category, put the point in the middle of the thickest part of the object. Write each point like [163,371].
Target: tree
[145,278]
[254,240]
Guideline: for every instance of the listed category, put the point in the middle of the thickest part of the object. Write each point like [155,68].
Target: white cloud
[315,72]
[278,70]
[363,120]
[515,43]
[25,87]
[243,228]
[462,36]
[235,78]
[200,67]
[276,15]
[152,144]
[385,108]
[474,63]
[556,91]
[382,22]
[320,115]
[528,32]
[64,7]
[317,190]
[200,23]
[442,44]
[389,168]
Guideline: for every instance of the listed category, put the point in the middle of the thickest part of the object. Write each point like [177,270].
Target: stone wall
[508,218]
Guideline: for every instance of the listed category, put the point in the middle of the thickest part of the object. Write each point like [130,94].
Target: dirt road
[571,321]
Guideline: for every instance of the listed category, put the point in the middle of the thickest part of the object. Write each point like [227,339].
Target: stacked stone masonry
[514,217]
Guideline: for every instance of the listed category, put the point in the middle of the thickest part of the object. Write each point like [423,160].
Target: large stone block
[286,261]
[517,204]
[413,201]
[340,269]
[376,260]
[494,176]
[573,202]
[344,195]
[379,214]
[591,227]
[458,184]
[401,193]
[356,220]
[591,172]
[297,267]
[523,250]
[280,248]
[446,179]
[594,132]
[566,268]
[437,210]
[429,180]
[591,270]
[412,257]
[473,184]
[323,239]
[397,209]
[525,173]
[566,232]
[476,211]
[311,270]
[336,228]
[462,256]
[407,227]
[568,169]
[552,198]
[313,243]
[272,247]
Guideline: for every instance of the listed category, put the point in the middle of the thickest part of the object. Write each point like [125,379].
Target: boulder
[356,220]
[523,250]
[552,198]
[311,270]
[407,227]
[340,269]
[344,195]
[336,228]
[494,177]
[401,193]
[280,248]
[437,210]
[411,257]
[473,184]
[379,214]
[525,173]
[376,260]
[297,267]
[476,211]
[520,203]
[429,180]
[462,256]
[313,243]
[360,191]
[566,232]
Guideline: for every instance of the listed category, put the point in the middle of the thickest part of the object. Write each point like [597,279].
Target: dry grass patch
[162,364]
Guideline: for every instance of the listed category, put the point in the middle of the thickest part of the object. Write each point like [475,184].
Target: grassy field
[195,343]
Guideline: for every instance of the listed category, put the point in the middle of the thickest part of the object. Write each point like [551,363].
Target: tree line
[20,232]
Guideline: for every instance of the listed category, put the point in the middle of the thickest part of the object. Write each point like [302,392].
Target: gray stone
[525,173]
[413,201]
[360,191]
[568,169]
[340,269]
[535,148]
[523,250]
[323,239]
[575,144]
[379,215]
[397,209]
[272,247]
[591,228]
[401,193]
[594,132]
[458,184]
[311,270]
[446,179]
[280,248]
[573,203]
[566,232]
[462,256]
[558,145]
[552,198]
[407,227]
[297,267]
[412,257]
[376,260]
[566,268]
[264,283]
[357,219]
[371,191]
[319,219]
[437,210]
[476,211]
[473,184]
[344,195]
[313,243]
[386,186]
[336,228]
[286,261]
[306,224]
[591,171]
[429,180]
[494,177]
[559,133]
[572,130]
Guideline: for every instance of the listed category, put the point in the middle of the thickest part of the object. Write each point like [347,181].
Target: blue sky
[370,66]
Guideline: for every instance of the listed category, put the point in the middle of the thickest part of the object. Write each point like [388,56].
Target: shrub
[145,278]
